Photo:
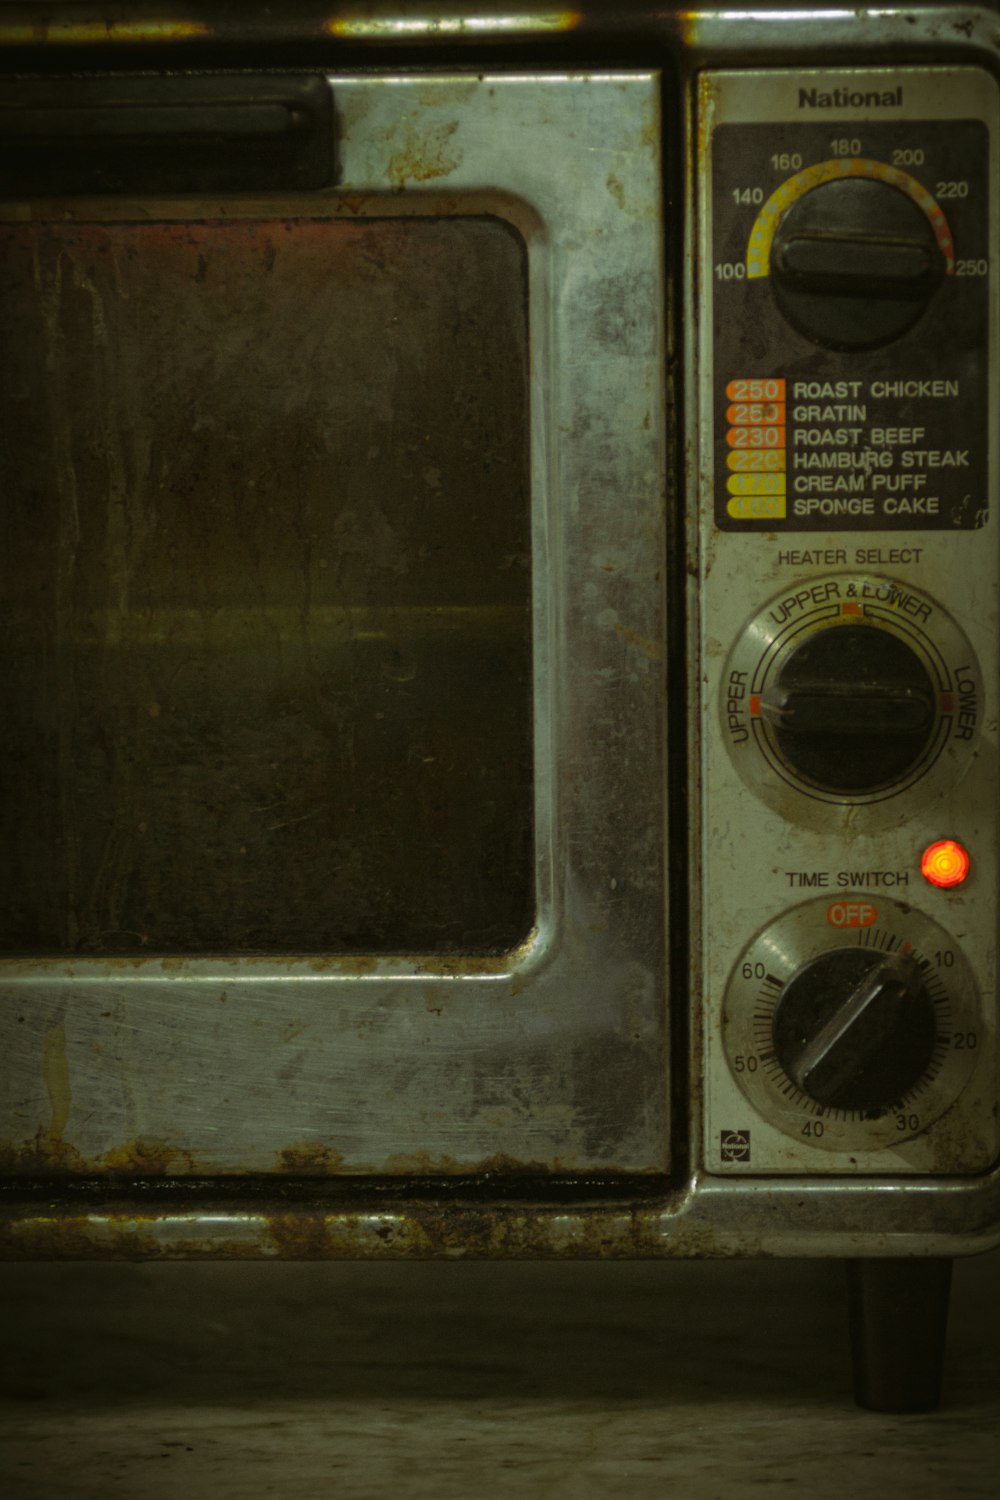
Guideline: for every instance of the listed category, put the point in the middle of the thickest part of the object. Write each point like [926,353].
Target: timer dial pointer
[856,1029]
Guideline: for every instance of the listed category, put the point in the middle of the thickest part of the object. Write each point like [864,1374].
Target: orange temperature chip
[756,437]
[755,390]
[755,412]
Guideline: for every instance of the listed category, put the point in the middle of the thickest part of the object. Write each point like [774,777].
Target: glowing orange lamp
[945,863]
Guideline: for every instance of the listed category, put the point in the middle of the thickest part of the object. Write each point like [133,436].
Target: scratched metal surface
[550,1054]
[713,28]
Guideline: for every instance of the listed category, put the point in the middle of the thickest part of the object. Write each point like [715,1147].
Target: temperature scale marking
[781,200]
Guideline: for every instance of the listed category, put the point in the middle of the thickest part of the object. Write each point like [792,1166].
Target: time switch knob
[856,1029]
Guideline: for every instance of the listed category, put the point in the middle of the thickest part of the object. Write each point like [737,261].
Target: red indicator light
[945,863]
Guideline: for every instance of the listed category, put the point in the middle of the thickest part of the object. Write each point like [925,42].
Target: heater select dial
[851,710]
[850,689]
[852,1039]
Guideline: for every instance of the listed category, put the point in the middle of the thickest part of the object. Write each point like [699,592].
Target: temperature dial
[854,263]
[850,689]
[857,1039]
[855,250]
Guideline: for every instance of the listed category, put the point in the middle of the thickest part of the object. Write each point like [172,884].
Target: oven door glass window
[267,625]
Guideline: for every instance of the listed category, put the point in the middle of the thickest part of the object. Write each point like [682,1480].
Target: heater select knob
[854,263]
[852,689]
[856,1030]
[852,709]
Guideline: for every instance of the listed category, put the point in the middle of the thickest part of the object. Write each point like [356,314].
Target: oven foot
[898,1312]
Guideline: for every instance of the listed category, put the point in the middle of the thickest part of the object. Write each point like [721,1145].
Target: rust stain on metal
[424,155]
[85,33]
[449,96]
[474,963]
[76,1237]
[388,1231]
[687,24]
[55,1071]
[652,649]
[300,1236]
[357,203]
[310,1159]
[450,1231]
[360,963]
[956,1141]
[437,1164]
[112,967]
[146,1156]
[41,1154]
[435,999]
[434,28]
[708,95]
[47,1154]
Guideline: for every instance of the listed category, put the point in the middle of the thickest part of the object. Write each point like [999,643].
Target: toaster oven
[500,638]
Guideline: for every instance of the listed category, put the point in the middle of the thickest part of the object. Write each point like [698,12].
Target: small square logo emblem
[735,1145]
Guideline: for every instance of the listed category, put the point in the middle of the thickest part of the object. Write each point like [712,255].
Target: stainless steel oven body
[607,398]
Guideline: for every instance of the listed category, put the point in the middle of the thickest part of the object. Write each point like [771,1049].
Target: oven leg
[898,1313]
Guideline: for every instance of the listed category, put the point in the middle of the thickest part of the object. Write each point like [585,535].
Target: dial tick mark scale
[758,256]
[869,1035]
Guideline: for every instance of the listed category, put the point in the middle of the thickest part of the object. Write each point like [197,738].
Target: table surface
[591,1381]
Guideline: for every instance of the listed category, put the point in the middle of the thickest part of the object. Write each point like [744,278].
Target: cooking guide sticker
[831,454]
[810,438]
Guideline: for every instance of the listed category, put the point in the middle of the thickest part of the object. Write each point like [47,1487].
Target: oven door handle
[165,135]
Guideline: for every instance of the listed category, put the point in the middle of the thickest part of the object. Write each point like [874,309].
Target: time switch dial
[855,1038]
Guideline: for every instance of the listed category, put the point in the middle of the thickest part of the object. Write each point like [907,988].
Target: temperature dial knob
[854,263]
[853,1038]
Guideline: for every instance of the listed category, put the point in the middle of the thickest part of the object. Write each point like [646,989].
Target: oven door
[335,651]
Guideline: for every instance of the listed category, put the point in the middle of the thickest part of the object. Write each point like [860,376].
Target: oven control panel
[847,308]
